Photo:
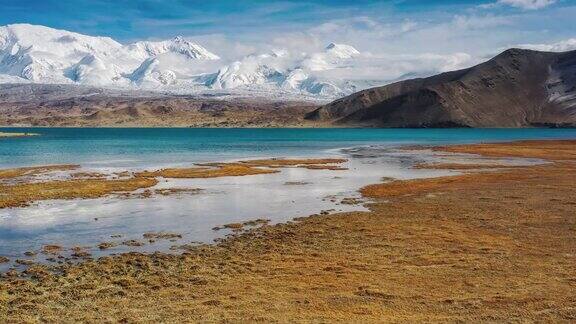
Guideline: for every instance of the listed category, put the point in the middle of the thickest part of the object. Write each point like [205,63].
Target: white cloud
[472,22]
[390,50]
[388,68]
[225,47]
[458,33]
[521,4]
[561,46]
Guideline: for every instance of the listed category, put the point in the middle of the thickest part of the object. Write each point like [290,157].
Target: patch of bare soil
[46,106]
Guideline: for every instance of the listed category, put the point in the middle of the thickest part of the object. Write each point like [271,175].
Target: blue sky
[134,19]
[128,20]
[395,37]
[238,27]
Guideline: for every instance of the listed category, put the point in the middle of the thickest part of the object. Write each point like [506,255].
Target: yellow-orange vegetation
[21,194]
[489,247]
[31,171]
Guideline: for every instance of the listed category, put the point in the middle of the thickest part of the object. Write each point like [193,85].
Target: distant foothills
[517,88]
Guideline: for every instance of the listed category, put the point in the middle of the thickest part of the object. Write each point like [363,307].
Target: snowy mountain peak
[93,70]
[149,73]
[41,54]
[342,51]
[46,38]
[44,54]
[178,45]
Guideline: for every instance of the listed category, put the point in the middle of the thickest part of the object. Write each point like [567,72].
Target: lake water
[133,147]
[372,154]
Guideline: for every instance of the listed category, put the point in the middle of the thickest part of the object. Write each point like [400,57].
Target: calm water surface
[223,200]
[132,147]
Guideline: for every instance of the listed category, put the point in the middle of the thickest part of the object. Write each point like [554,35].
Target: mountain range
[55,77]
[38,54]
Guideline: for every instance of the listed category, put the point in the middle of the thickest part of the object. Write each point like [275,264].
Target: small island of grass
[4,135]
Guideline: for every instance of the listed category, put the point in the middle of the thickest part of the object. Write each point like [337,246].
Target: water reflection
[279,197]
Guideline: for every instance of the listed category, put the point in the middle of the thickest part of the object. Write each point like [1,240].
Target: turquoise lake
[371,154]
[150,146]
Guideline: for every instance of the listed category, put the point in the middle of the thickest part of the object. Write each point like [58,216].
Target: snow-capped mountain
[176,45]
[150,73]
[294,73]
[45,55]
[92,69]
[30,53]
[341,51]
[41,54]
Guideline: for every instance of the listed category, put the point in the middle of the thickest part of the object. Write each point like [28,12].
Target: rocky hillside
[518,88]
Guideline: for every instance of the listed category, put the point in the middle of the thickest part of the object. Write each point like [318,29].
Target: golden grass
[21,194]
[224,170]
[291,162]
[161,236]
[323,167]
[242,226]
[95,185]
[106,245]
[51,249]
[552,150]
[177,191]
[419,186]
[88,175]
[557,150]
[242,168]
[463,166]
[490,247]
[32,171]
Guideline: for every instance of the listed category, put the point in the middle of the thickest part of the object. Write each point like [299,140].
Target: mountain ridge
[517,88]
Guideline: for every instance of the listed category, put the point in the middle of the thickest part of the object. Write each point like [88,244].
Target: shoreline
[14,135]
[80,191]
[21,188]
[441,244]
[159,189]
[309,125]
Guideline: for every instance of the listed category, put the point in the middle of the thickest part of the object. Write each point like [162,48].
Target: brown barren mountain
[79,106]
[518,88]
